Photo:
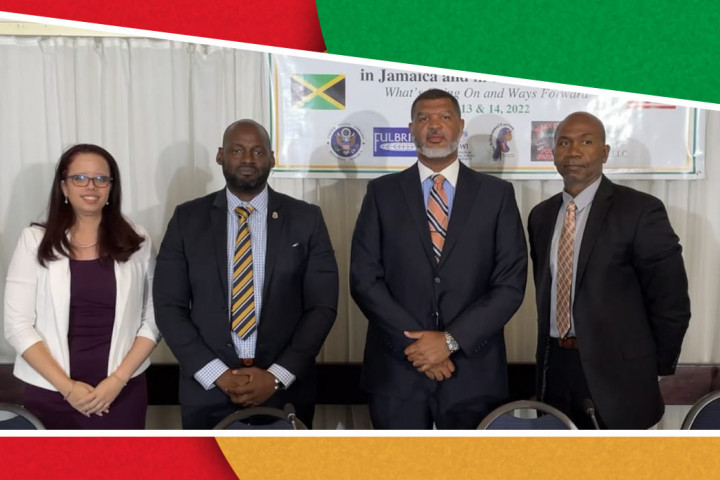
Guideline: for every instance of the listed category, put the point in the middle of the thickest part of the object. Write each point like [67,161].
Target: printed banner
[341,120]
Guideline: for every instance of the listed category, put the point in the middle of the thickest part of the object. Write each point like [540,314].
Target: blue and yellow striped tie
[243,319]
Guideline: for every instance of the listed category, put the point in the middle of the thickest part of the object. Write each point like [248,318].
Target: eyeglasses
[101,181]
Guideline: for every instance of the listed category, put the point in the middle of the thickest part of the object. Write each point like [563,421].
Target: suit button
[225,309]
[437,279]
[229,345]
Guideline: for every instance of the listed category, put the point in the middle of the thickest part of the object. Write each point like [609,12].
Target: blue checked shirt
[258,237]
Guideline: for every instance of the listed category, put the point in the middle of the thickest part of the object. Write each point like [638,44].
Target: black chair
[705,414]
[262,418]
[15,417]
[544,417]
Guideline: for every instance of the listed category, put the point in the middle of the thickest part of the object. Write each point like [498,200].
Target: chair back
[262,418]
[705,414]
[15,417]
[543,417]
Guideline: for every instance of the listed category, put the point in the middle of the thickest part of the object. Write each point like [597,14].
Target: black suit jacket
[631,306]
[299,295]
[472,293]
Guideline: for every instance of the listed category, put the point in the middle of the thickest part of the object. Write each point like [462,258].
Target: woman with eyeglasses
[78,302]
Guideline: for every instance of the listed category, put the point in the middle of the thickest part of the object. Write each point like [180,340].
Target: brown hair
[117,240]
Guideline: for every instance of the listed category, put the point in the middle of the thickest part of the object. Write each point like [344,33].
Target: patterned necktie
[565,270]
[437,212]
[243,292]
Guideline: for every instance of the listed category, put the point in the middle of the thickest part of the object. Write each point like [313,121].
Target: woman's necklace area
[80,245]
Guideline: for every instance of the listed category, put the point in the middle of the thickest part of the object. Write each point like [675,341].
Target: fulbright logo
[392,142]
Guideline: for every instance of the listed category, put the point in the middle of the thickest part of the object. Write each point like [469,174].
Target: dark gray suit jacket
[631,306]
[299,296]
[472,293]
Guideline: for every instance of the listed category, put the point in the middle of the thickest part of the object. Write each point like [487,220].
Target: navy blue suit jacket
[299,296]
[472,293]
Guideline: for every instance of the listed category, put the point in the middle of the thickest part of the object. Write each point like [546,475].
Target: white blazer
[37,305]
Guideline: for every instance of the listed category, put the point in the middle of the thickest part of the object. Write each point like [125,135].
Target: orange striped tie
[565,270]
[243,292]
[437,212]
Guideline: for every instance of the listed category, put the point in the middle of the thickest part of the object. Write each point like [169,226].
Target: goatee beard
[439,152]
[253,186]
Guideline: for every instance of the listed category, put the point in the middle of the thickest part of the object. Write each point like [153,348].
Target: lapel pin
[275,215]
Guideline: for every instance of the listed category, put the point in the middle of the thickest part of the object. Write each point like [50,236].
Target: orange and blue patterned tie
[243,319]
[437,212]
[565,270]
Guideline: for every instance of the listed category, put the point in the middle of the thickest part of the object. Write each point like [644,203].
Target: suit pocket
[298,254]
[290,262]
[638,348]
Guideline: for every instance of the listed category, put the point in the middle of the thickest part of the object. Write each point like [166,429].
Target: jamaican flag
[318,91]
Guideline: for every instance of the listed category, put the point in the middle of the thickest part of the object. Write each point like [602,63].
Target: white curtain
[160,108]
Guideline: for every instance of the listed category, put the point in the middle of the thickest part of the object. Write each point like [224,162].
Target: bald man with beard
[251,338]
[611,289]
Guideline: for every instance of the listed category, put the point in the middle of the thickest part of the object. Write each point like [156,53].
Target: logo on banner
[318,91]
[393,142]
[500,142]
[346,141]
[542,141]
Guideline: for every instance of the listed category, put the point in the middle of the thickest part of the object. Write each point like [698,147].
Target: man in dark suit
[611,288]
[245,289]
[438,267]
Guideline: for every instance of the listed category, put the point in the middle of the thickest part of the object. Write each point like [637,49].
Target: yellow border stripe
[458,458]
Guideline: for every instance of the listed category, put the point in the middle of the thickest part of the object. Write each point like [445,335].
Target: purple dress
[92,316]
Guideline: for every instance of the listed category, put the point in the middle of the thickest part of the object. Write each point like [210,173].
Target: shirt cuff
[282,374]
[207,375]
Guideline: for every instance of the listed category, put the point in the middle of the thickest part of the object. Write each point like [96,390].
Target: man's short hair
[434,94]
